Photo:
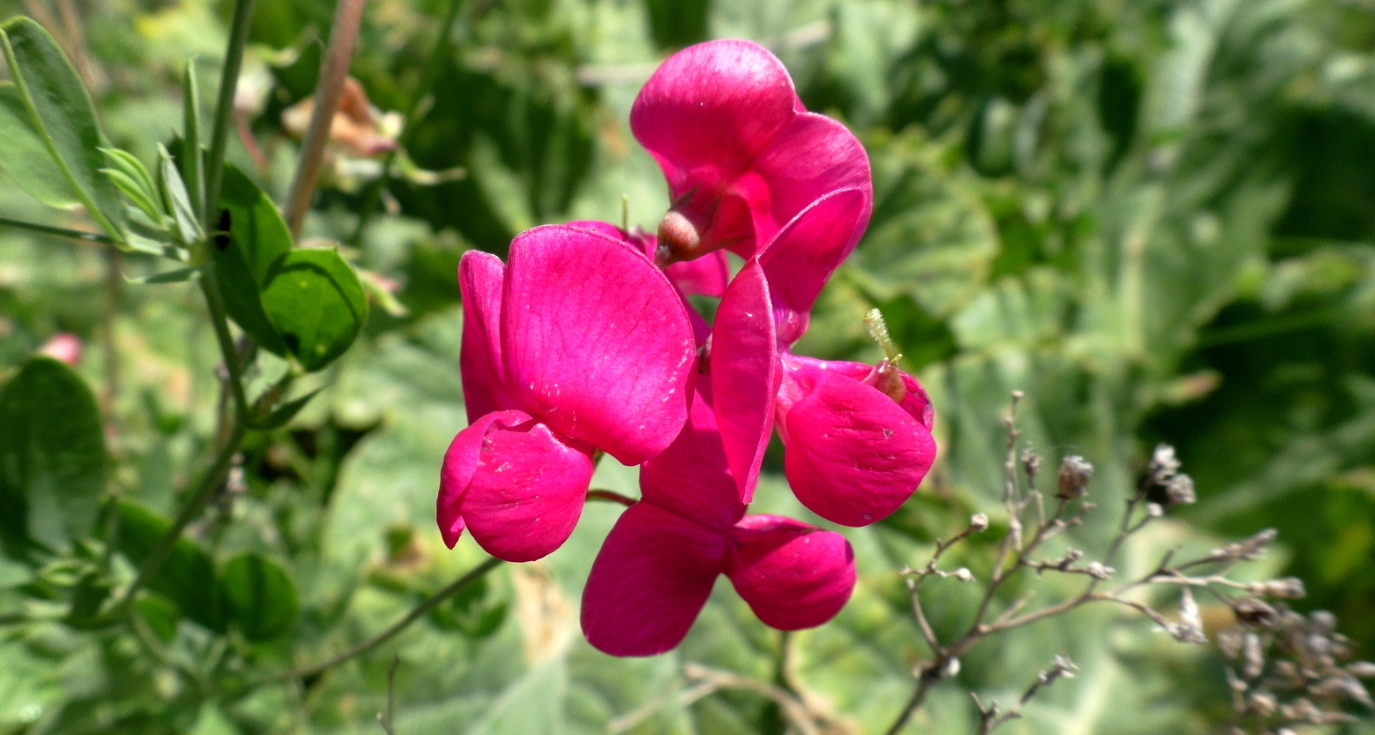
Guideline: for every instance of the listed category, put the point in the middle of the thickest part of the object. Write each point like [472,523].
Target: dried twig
[1016,552]
[348,15]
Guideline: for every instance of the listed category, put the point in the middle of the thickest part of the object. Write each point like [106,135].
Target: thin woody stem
[348,16]
[392,630]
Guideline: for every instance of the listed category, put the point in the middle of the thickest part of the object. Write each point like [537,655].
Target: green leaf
[191,168]
[262,597]
[160,614]
[284,413]
[52,458]
[317,304]
[470,612]
[186,577]
[252,235]
[177,276]
[60,113]
[133,191]
[176,198]
[25,158]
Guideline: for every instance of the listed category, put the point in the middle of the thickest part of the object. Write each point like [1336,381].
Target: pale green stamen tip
[625,212]
[878,329]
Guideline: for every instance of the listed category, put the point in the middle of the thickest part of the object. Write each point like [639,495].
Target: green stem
[415,614]
[214,477]
[215,301]
[58,231]
[427,78]
[224,110]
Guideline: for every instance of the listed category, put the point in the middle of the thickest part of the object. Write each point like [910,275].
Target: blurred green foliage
[1155,217]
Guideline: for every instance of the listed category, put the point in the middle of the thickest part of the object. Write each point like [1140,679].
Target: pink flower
[857,438]
[741,154]
[705,276]
[63,346]
[578,343]
[659,563]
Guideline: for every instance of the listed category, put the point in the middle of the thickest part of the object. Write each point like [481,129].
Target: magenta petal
[460,463]
[649,582]
[804,254]
[596,341]
[691,477]
[480,283]
[916,403]
[526,491]
[811,156]
[792,575]
[705,276]
[710,109]
[853,455]
[745,374]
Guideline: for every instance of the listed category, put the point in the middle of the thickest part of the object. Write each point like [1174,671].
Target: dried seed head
[1031,463]
[1253,655]
[1251,611]
[963,574]
[1099,571]
[978,522]
[1263,703]
[1075,473]
[1361,669]
[1154,510]
[1287,588]
[1189,629]
[1163,464]
[1180,490]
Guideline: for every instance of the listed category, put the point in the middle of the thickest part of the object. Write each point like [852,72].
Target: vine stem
[348,15]
[392,630]
[224,110]
[219,469]
[214,477]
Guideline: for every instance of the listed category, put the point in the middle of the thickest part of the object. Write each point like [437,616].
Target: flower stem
[348,15]
[611,496]
[415,614]
[224,110]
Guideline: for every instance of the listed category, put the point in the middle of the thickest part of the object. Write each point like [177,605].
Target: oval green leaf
[251,236]
[186,577]
[262,597]
[52,458]
[59,112]
[317,304]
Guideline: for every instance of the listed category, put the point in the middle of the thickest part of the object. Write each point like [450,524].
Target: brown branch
[348,16]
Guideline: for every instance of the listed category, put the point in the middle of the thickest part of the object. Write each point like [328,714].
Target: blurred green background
[1155,217]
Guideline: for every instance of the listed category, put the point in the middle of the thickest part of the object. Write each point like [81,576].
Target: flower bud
[679,239]
[1075,474]
[887,378]
[963,574]
[978,522]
